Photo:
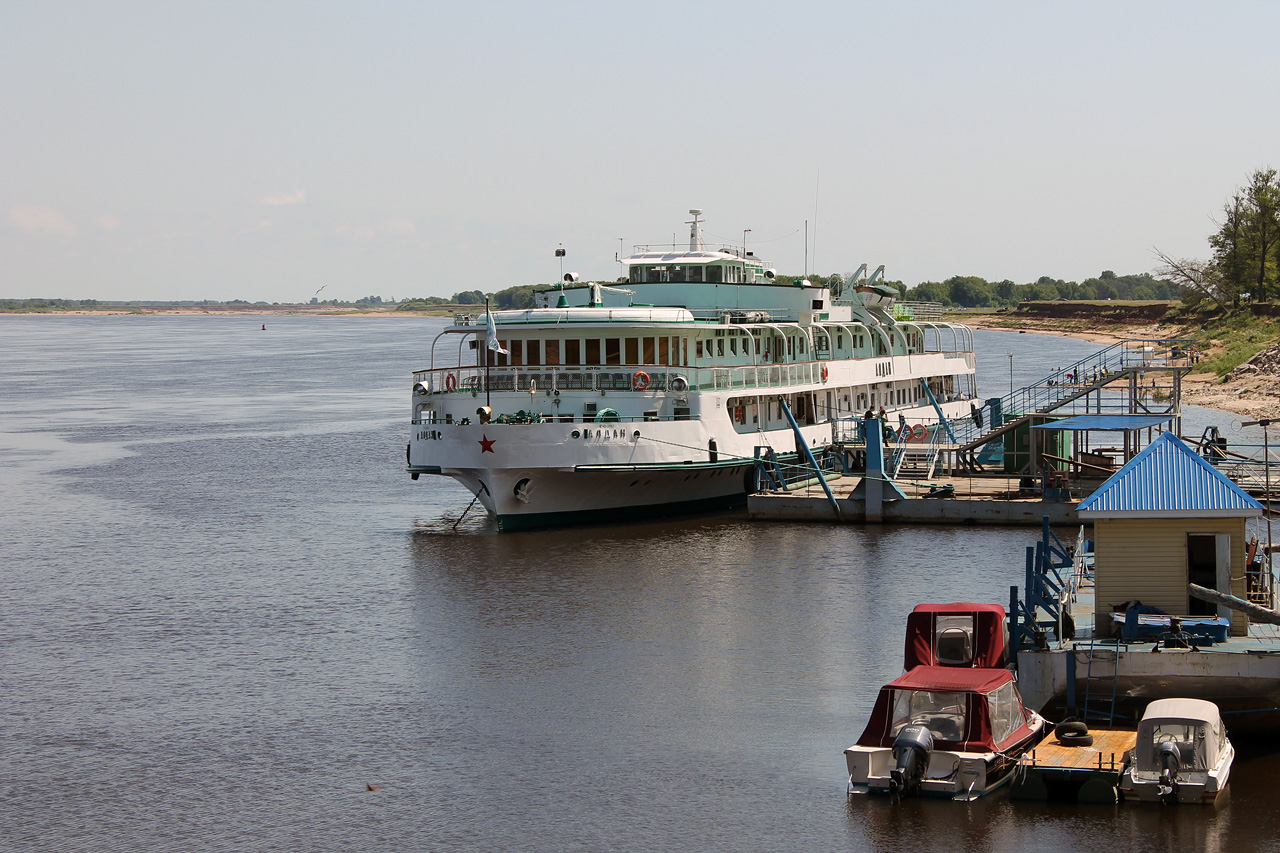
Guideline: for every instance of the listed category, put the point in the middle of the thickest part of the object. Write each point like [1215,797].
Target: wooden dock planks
[1109,745]
[1080,774]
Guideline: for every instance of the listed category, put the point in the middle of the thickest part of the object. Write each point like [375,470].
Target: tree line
[1245,250]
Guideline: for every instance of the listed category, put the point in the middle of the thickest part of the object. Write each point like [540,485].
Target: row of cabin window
[696,273]
[593,351]
[617,351]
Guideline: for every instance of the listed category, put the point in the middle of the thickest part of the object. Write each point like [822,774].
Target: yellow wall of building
[1146,559]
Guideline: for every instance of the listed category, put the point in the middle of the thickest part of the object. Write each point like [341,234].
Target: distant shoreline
[222,311]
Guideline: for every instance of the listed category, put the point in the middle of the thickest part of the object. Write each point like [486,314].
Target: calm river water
[228,612]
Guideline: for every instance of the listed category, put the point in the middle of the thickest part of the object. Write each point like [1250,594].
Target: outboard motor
[911,750]
[1170,760]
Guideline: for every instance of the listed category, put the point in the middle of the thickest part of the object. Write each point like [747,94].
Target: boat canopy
[961,634]
[966,710]
[1194,725]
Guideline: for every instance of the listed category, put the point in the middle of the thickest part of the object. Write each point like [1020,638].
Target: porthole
[574,434]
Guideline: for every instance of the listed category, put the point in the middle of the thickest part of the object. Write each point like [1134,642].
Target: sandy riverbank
[1250,391]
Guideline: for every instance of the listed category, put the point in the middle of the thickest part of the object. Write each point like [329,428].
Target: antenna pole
[806,248]
[488,352]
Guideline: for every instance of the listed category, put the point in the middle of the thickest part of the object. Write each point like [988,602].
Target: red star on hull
[486,444]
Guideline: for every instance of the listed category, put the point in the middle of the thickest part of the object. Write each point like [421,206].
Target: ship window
[649,352]
[552,352]
[839,341]
[592,355]
[715,274]
[733,346]
[698,349]
[613,351]
[664,347]
[517,352]
[573,352]
[677,273]
[695,274]
[531,353]
[720,347]
[637,275]
[657,274]
[633,351]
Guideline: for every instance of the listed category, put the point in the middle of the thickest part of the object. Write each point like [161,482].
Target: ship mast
[695,231]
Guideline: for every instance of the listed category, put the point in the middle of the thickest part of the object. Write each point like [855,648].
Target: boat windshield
[1006,711]
[1189,738]
[943,714]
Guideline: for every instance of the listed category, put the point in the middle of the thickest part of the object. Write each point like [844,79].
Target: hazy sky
[263,150]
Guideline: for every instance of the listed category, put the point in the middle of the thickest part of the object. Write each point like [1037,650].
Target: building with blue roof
[1166,519]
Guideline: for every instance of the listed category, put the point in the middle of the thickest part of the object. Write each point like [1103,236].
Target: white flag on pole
[494,344]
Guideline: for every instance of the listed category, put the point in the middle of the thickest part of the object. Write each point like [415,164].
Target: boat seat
[953,647]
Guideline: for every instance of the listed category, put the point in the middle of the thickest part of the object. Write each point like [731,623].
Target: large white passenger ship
[612,402]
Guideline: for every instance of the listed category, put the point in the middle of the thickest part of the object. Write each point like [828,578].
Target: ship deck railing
[552,378]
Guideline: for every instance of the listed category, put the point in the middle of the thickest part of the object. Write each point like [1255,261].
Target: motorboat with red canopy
[961,634]
[943,731]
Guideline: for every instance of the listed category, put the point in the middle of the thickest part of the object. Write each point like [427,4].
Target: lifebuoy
[824,373]
[918,432]
[451,382]
[640,381]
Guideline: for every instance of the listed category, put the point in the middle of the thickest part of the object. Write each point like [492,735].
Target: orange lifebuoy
[918,432]
[824,373]
[451,382]
[640,381]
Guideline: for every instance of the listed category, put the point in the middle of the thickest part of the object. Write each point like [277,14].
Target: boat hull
[952,775]
[1200,786]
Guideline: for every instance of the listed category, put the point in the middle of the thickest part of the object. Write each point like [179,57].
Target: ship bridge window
[657,274]
[636,275]
[695,273]
[678,273]
[715,274]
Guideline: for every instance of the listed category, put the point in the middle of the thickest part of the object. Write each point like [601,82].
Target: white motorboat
[1182,754]
[943,731]
[655,395]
